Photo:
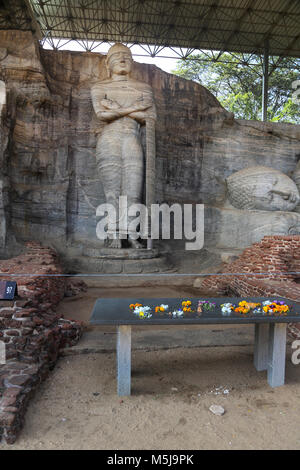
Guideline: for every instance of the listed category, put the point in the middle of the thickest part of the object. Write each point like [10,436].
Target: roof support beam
[248,10]
[217,25]
[265,87]
[280,17]
[285,53]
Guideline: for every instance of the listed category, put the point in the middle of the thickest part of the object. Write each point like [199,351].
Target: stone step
[143,280]
[109,265]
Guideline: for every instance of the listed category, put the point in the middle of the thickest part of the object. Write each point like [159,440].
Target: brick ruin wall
[31,330]
[262,262]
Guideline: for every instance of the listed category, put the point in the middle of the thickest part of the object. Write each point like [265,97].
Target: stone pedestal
[116,261]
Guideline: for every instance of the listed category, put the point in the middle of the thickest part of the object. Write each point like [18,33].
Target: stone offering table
[270,330]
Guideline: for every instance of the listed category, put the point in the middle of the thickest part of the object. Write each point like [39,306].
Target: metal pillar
[265,87]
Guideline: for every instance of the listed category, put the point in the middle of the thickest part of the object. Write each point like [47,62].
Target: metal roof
[226,25]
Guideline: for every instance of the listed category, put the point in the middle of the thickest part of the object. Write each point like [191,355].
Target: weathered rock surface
[51,187]
[228,228]
[262,188]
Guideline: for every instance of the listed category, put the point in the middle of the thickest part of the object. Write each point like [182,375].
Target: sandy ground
[77,406]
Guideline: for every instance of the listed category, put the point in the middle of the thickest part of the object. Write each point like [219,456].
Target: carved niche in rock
[262,188]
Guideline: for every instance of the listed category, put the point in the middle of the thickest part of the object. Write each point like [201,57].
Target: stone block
[236,229]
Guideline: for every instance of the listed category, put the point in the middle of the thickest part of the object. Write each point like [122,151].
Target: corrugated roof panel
[233,25]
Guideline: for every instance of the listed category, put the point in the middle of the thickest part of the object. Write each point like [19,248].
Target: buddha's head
[119,60]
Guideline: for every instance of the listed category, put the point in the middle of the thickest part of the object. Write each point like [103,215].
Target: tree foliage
[239,87]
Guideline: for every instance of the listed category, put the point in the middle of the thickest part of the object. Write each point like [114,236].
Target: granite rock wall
[50,186]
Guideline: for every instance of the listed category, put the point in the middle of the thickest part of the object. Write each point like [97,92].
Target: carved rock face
[262,188]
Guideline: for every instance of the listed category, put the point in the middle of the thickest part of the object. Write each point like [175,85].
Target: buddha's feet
[134,243]
[114,243]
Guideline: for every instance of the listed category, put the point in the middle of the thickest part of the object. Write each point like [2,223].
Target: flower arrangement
[161,308]
[227,308]
[140,311]
[244,307]
[133,306]
[258,310]
[177,314]
[277,307]
[144,312]
[186,306]
[267,307]
[205,305]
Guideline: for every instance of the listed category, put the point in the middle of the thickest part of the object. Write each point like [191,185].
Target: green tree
[238,86]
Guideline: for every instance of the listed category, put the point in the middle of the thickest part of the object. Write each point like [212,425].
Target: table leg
[124,359]
[261,346]
[277,352]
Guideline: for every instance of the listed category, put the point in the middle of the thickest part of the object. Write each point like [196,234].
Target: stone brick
[7,419]
[272,255]
[19,380]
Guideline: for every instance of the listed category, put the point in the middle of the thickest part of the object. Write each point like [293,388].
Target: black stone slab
[117,312]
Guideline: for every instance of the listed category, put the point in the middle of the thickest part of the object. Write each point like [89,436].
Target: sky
[166,61]
[163,63]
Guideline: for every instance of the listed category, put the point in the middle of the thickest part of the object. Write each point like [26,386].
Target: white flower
[226,309]
[165,307]
[137,310]
[146,311]
[177,313]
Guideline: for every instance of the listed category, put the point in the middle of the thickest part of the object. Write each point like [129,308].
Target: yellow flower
[141,315]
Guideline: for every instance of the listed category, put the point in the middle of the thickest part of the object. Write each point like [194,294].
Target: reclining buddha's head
[262,188]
